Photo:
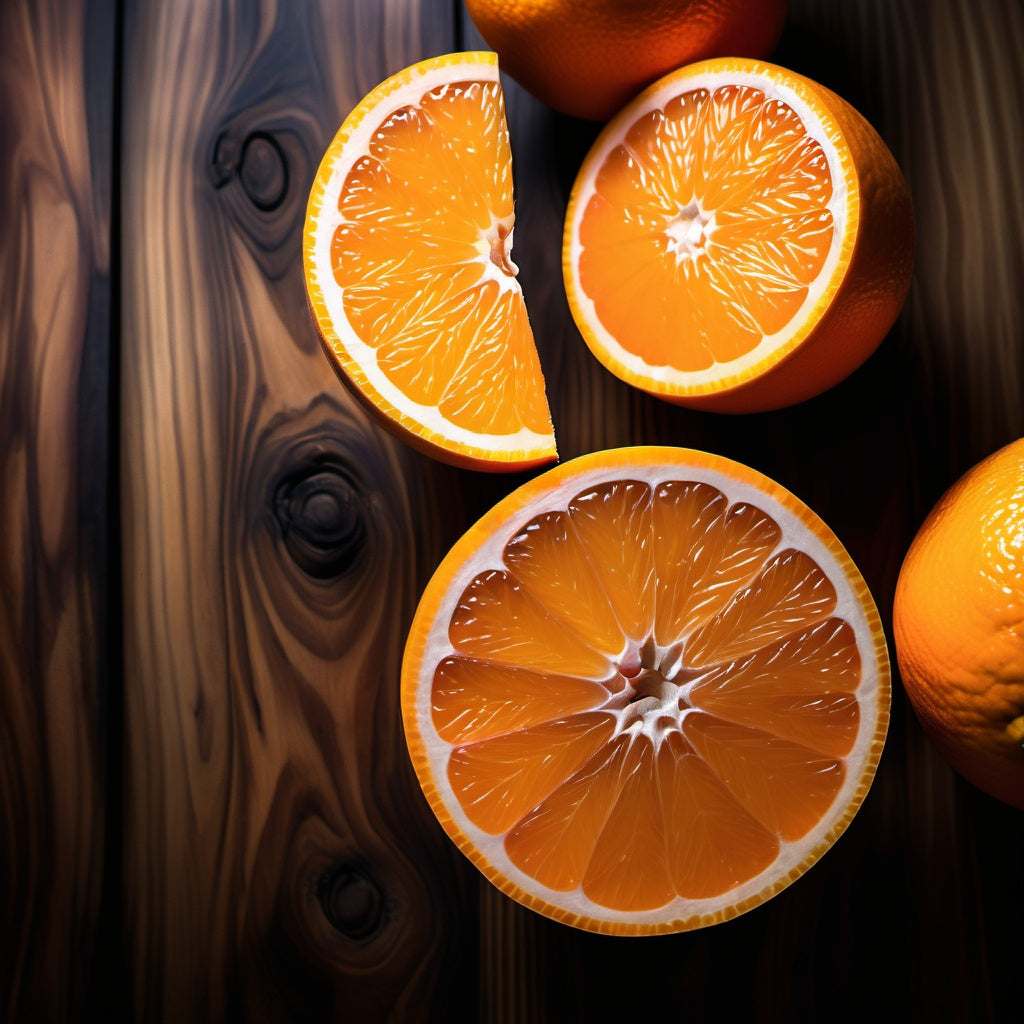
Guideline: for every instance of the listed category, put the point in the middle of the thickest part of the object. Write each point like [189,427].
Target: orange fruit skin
[958,624]
[587,58]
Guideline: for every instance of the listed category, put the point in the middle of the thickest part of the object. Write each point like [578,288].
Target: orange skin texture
[587,58]
[958,623]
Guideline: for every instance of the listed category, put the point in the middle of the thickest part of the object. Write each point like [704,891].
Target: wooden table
[210,556]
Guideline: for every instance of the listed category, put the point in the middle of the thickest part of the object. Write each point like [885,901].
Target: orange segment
[589,832]
[715,845]
[555,842]
[498,780]
[633,832]
[497,619]
[475,700]
[646,691]
[704,551]
[407,256]
[738,237]
[801,689]
[625,573]
[785,786]
[791,592]
[549,560]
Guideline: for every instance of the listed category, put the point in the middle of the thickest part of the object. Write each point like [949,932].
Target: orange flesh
[425,214]
[649,671]
[718,204]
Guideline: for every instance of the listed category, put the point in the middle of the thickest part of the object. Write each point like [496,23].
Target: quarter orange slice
[646,691]
[739,238]
[407,256]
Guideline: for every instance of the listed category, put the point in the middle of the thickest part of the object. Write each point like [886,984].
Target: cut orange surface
[407,256]
[738,238]
[646,691]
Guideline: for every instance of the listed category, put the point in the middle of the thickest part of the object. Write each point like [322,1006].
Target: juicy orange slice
[738,238]
[407,255]
[646,691]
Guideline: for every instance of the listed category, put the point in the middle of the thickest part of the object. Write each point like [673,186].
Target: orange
[646,691]
[588,58]
[407,256]
[958,624]
[738,238]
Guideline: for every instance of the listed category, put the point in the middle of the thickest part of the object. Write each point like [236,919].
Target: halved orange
[738,238]
[407,256]
[646,691]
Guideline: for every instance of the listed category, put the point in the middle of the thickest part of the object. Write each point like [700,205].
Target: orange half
[646,691]
[738,238]
[408,268]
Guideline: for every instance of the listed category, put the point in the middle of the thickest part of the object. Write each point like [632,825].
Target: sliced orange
[739,238]
[646,691]
[407,256]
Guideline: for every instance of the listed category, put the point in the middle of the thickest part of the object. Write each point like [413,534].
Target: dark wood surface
[57,649]
[210,556]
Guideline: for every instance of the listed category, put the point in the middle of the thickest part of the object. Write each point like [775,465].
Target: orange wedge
[646,691]
[407,257]
[739,238]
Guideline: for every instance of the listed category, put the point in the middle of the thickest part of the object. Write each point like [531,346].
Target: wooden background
[209,556]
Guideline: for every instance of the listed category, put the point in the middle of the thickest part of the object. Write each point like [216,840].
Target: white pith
[690,231]
[660,712]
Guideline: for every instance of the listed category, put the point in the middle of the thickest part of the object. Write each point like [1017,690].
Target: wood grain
[280,862]
[55,119]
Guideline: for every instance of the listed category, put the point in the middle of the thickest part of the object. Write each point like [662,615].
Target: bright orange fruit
[958,624]
[646,691]
[588,59]
[739,238]
[407,256]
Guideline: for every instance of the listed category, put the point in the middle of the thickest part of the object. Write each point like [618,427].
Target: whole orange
[958,623]
[588,57]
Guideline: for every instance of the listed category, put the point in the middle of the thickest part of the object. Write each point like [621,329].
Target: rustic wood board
[203,781]
[56,115]
[278,859]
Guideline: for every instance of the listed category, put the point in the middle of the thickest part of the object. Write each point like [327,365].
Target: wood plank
[281,863]
[56,114]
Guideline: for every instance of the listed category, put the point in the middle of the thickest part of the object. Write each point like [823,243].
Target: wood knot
[263,171]
[224,160]
[351,900]
[322,517]
[258,162]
